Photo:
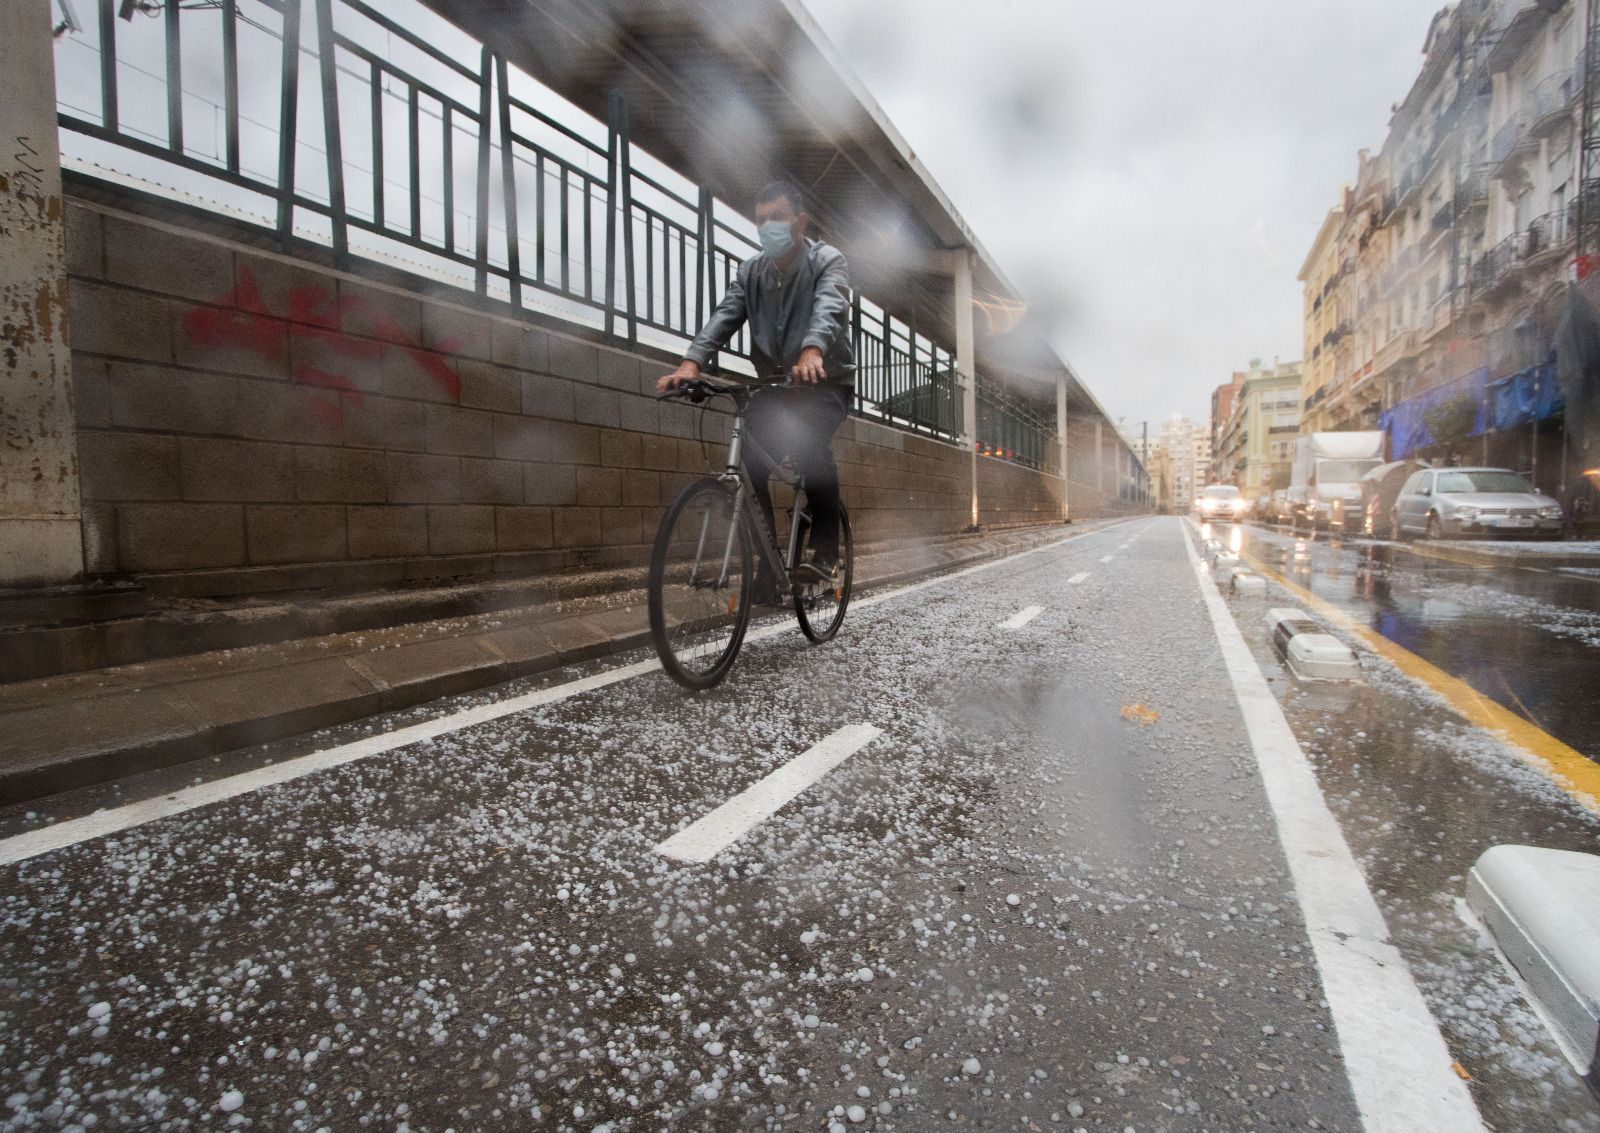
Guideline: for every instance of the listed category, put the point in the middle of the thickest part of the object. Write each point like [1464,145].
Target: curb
[1529,559]
[107,724]
[1542,907]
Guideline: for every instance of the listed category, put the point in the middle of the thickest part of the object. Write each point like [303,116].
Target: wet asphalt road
[1527,639]
[1049,895]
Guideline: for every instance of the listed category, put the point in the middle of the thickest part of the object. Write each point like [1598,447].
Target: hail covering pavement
[1049,894]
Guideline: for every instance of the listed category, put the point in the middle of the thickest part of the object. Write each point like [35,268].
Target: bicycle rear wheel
[700,585]
[820,607]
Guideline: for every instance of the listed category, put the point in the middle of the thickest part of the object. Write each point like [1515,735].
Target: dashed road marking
[1077,578]
[20,847]
[1022,617]
[1394,1055]
[706,838]
[1107,558]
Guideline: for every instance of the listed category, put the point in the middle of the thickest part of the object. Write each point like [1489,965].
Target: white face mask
[776,238]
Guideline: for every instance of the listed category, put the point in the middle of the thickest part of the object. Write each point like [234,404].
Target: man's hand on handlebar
[809,367]
[687,371]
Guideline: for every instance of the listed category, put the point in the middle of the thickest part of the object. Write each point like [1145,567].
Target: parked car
[1222,501]
[1274,506]
[1296,507]
[1380,488]
[1441,502]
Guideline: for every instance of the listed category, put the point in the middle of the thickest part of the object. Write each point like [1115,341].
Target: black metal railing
[397,137]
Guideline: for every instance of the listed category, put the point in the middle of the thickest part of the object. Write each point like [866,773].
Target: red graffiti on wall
[241,320]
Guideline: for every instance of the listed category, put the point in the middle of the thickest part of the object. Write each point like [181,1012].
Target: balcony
[1510,141]
[1492,269]
[1553,100]
[1472,191]
[1512,25]
[1443,216]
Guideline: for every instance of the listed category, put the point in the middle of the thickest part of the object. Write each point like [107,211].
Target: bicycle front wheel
[700,585]
[820,607]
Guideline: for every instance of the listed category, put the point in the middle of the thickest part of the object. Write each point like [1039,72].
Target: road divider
[1311,654]
[703,840]
[1567,767]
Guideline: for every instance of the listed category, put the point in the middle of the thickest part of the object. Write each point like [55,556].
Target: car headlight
[1551,512]
[1467,513]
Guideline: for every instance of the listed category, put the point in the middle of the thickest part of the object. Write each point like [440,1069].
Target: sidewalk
[1550,556]
[79,728]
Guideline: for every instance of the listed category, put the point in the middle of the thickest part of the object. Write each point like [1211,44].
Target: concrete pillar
[967,366]
[1061,438]
[41,525]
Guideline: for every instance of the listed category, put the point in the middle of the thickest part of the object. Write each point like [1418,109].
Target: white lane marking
[1022,617]
[1108,558]
[1397,1061]
[1077,578]
[703,840]
[21,847]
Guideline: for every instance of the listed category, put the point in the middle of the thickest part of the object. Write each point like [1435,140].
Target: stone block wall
[248,421]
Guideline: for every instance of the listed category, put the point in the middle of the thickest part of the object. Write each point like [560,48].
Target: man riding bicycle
[795,296]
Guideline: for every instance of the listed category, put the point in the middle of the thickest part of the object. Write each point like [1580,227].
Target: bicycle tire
[813,599]
[698,625]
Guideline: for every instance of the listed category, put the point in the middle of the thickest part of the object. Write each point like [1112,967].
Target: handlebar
[697,390]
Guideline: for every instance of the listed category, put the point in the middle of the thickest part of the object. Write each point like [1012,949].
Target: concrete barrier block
[576,361]
[460,432]
[180,536]
[619,371]
[119,323]
[1542,907]
[417,478]
[128,466]
[457,331]
[387,532]
[165,261]
[295,533]
[554,485]
[244,471]
[577,526]
[463,529]
[523,528]
[491,481]
[387,423]
[324,474]
[599,407]
[552,398]
[519,346]
[485,386]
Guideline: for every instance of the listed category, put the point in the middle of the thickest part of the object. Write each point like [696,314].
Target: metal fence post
[485,81]
[621,189]
[288,121]
[328,66]
[508,176]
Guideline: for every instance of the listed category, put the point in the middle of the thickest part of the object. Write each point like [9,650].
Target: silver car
[1441,502]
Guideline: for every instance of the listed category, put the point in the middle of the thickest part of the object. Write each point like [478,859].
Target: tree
[1450,424]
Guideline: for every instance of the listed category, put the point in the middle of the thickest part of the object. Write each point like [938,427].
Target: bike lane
[1050,891]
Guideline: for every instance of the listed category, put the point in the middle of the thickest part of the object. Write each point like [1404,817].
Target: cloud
[1151,175]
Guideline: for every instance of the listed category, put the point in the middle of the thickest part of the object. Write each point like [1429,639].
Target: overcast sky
[1151,173]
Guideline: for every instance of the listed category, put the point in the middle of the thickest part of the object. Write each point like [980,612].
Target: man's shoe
[817,569]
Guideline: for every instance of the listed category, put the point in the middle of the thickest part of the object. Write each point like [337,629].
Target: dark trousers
[799,424]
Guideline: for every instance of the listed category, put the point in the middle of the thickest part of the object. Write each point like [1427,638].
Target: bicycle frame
[745,504]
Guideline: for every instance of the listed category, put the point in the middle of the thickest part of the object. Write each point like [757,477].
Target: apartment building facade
[1441,272]
[1257,441]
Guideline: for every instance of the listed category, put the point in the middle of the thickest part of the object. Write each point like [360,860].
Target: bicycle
[701,587]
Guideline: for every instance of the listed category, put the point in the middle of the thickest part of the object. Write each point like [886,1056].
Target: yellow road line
[1569,768]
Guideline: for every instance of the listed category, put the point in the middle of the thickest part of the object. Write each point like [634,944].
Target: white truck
[1328,467]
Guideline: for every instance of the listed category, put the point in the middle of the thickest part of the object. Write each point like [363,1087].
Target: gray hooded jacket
[808,307]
